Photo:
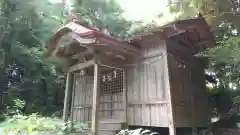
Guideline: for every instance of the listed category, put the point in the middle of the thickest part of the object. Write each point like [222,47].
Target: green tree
[214,11]
[106,16]
[25,72]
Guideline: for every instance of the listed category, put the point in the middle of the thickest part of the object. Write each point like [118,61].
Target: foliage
[25,71]
[15,122]
[105,15]
[225,59]
[36,124]
[214,11]
[15,108]
[31,123]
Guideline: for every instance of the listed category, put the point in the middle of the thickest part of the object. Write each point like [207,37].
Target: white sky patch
[55,1]
[146,10]
[67,2]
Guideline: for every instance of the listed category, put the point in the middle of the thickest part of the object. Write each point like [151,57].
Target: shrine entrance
[111,86]
[95,64]
[111,96]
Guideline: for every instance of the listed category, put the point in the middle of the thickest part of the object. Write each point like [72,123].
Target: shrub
[19,124]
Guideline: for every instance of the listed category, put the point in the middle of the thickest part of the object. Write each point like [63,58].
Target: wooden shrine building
[152,79]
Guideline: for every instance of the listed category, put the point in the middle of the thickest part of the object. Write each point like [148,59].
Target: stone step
[107,132]
[108,126]
[100,132]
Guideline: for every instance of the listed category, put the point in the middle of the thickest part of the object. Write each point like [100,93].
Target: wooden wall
[146,93]
[146,89]
[82,98]
[189,97]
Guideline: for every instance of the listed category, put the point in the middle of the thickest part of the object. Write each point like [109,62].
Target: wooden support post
[194,128]
[125,97]
[172,128]
[73,98]
[95,103]
[67,97]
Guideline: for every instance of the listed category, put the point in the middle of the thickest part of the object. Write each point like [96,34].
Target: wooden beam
[123,47]
[67,97]
[82,54]
[139,102]
[95,103]
[105,62]
[171,125]
[80,66]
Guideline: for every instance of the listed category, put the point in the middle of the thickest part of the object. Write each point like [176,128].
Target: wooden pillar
[172,128]
[125,97]
[67,97]
[194,128]
[95,103]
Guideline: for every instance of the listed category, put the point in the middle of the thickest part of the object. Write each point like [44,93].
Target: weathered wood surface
[67,97]
[96,96]
[147,104]
[82,99]
[187,85]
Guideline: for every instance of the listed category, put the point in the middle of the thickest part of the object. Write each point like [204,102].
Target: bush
[19,124]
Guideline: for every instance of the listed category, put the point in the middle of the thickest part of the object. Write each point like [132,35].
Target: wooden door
[111,96]
[111,101]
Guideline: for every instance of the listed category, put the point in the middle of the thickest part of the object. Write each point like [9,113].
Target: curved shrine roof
[196,30]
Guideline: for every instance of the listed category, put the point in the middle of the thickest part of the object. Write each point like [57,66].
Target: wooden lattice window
[111,81]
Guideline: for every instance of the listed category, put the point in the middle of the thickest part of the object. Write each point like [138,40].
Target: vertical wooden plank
[75,118]
[124,96]
[145,90]
[151,82]
[81,99]
[67,97]
[192,92]
[141,69]
[147,110]
[158,72]
[87,96]
[130,118]
[152,115]
[73,113]
[133,97]
[87,99]
[95,102]
[172,129]
[90,98]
